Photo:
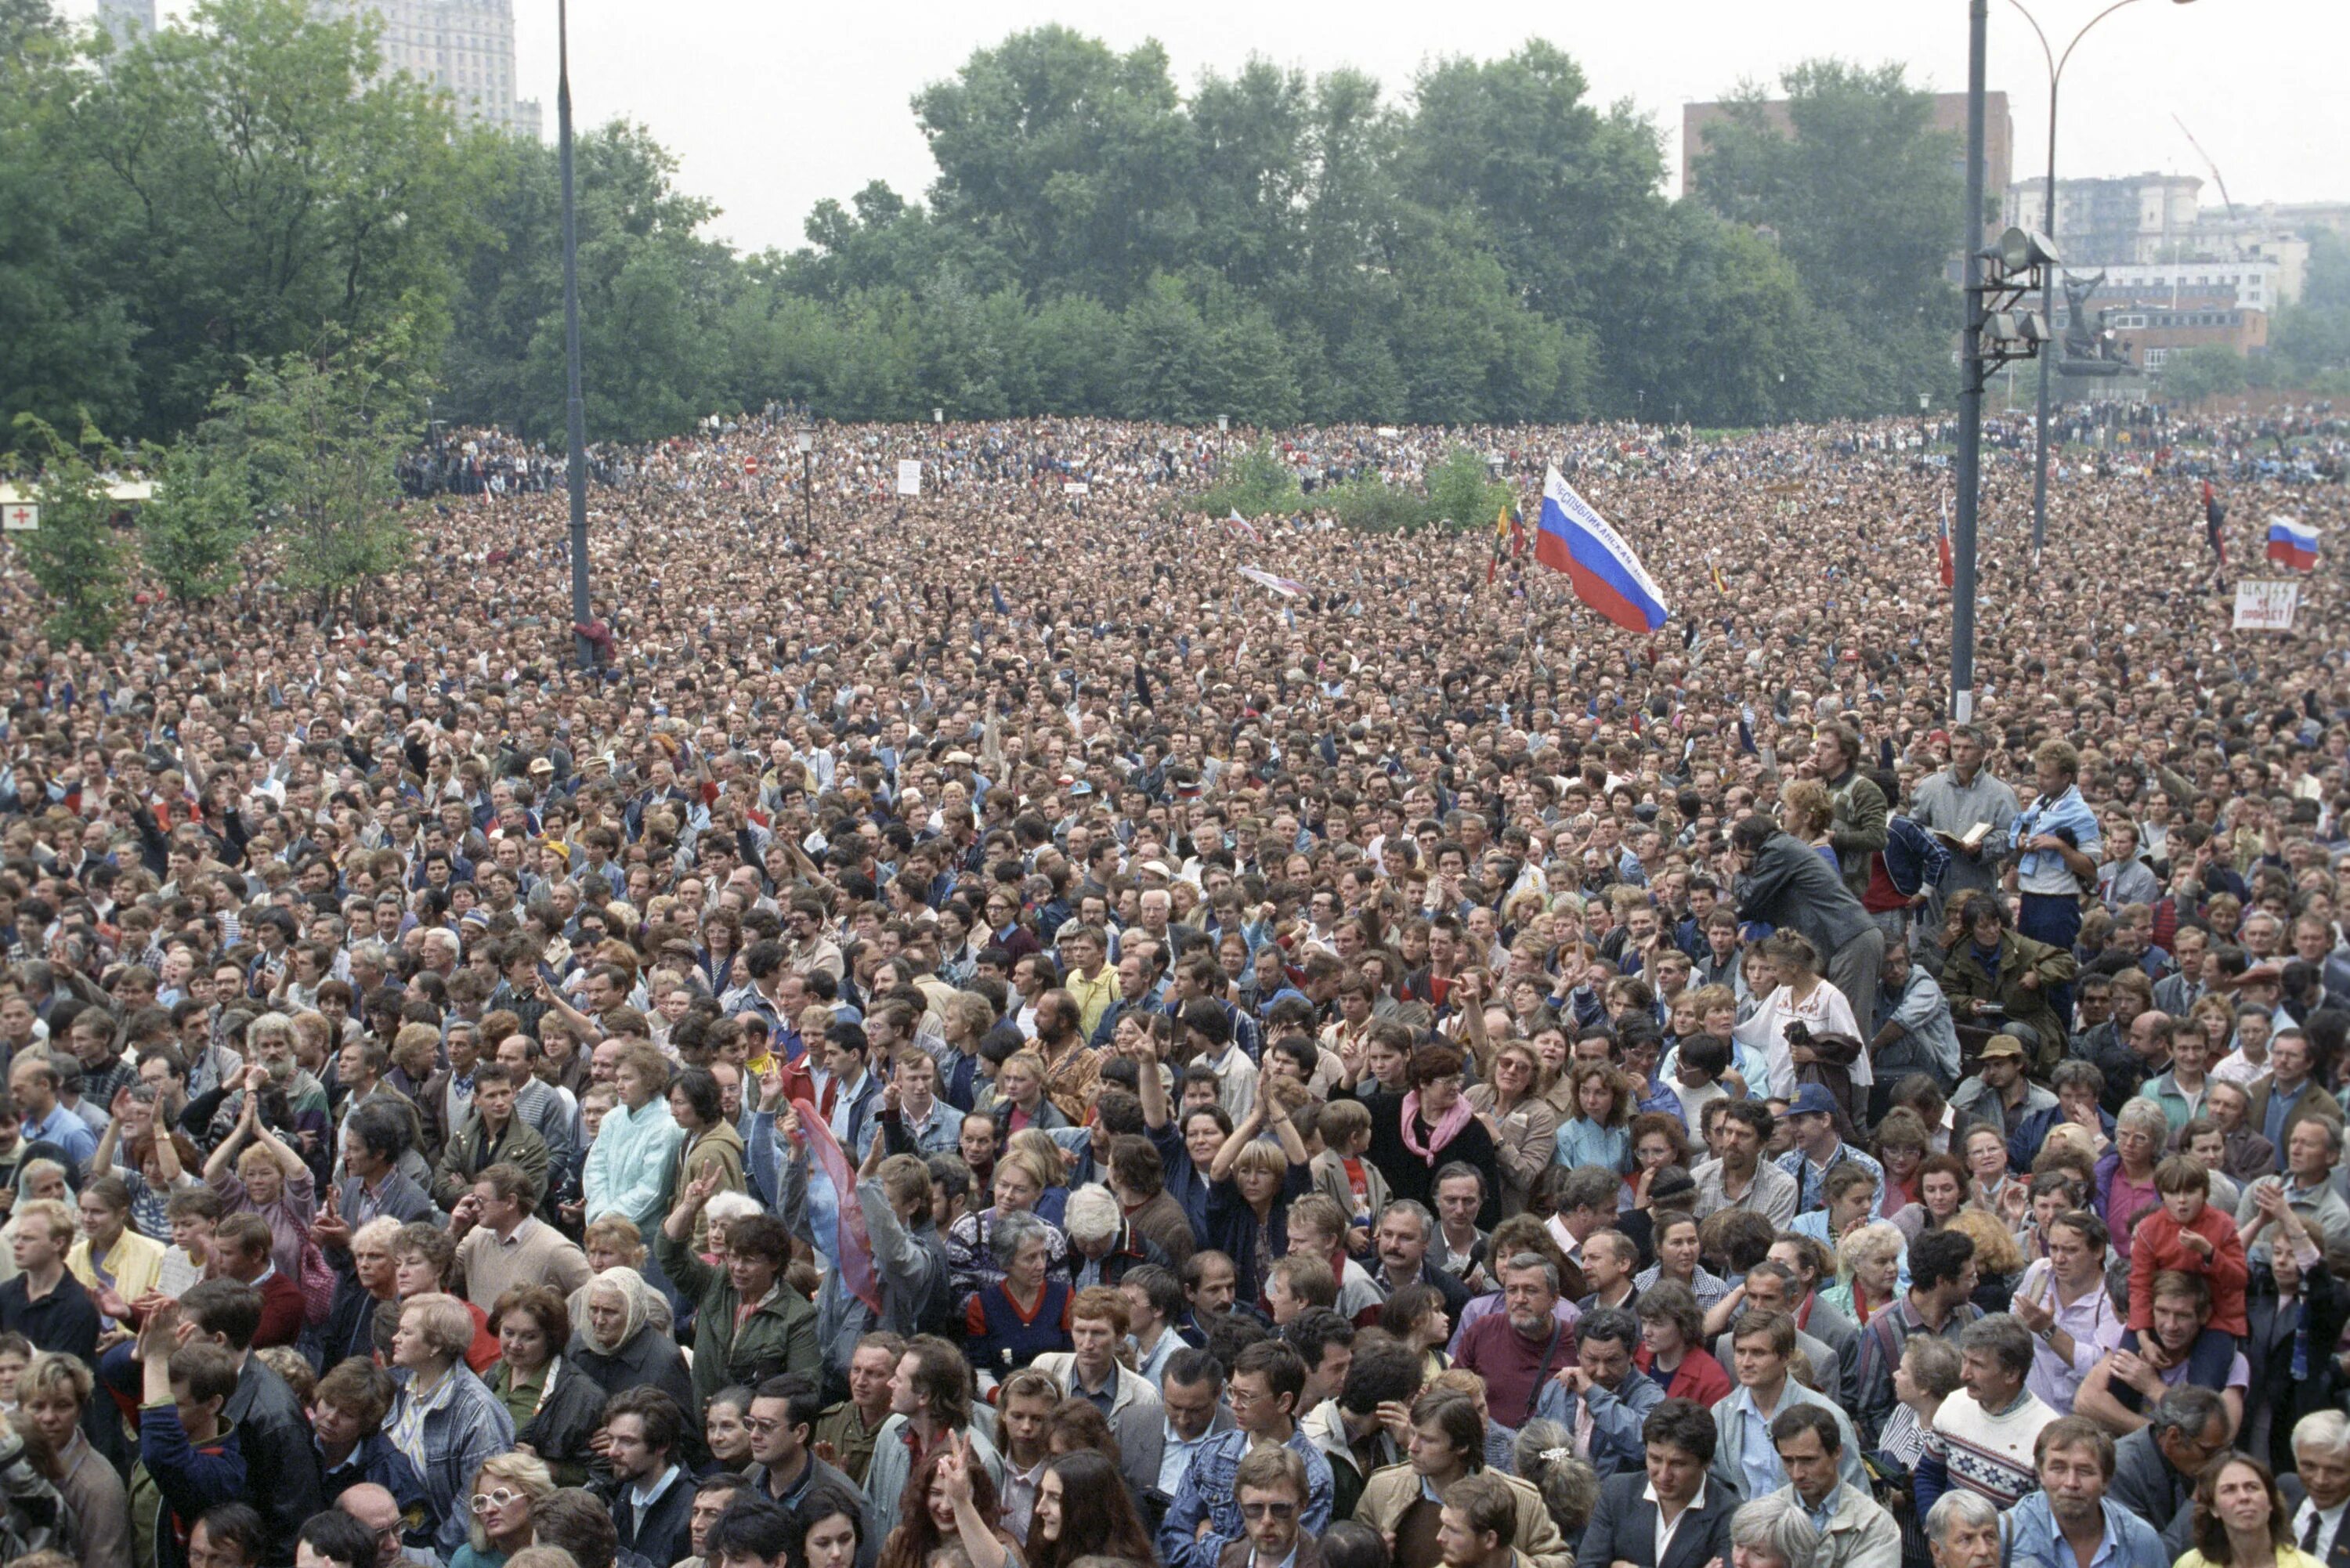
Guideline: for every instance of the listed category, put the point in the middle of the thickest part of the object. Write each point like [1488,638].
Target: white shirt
[1666,1532]
[2329,1525]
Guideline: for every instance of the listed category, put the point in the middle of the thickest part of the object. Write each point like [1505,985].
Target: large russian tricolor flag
[2293,542]
[1575,539]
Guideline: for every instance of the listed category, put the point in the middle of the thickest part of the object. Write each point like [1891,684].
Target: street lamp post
[1995,333]
[575,412]
[2056,63]
[805,439]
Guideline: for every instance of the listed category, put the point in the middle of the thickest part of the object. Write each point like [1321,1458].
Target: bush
[1371,505]
[1255,484]
[1461,492]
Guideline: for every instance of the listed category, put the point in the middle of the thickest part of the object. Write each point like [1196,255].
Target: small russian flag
[2293,542]
[1238,527]
[1949,569]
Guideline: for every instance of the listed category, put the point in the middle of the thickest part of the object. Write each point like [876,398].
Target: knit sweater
[1979,1451]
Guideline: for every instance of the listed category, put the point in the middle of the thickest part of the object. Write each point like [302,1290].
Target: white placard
[2265,604]
[910,476]
[21,517]
[1075,487]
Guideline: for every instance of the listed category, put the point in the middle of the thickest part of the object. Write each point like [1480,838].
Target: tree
[1256,484]
[64,336]
[191,530]
[1856,188]
[1461,490]
[2192,375]
[2312,335]
[75,555]
[316,436]
[259,177]
[1068,159]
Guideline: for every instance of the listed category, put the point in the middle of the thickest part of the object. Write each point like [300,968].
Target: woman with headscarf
[614,1342]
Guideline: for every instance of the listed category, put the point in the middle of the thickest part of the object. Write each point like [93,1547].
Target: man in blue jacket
[188,1456]
[2074,1457]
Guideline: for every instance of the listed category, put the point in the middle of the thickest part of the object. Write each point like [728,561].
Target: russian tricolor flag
[2293,543]
[1575,539]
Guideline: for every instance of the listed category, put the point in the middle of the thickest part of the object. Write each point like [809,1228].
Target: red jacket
[2157,1243]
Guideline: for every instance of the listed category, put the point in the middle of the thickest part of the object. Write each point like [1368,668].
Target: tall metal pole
[575,412]
[2047,351]
[1970,455]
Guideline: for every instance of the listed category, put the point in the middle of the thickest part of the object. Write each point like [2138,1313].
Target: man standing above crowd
[1956,803]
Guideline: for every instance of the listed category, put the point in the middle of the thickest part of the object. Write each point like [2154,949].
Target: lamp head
[2021,250]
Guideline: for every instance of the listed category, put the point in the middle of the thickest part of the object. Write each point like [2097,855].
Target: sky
[771,107]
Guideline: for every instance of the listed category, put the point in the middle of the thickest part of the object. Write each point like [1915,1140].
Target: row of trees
[1495,246]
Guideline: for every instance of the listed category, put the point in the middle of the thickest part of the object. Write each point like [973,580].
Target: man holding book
[1969,810]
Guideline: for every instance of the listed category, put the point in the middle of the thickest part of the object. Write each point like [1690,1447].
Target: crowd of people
[974,1035]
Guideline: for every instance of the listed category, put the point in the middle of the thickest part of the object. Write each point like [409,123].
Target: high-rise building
[2137,219]
[465,48]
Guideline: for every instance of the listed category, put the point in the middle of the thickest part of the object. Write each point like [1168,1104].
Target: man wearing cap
[1999,1093]
[1820,1149]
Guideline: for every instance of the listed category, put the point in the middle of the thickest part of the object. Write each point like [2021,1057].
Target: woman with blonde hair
[445,1419]
[1868,1265]
[1807,811]
[1998,1262]
[507,1488]
[1524,1126]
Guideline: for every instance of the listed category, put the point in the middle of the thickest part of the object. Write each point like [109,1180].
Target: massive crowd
[978,1035]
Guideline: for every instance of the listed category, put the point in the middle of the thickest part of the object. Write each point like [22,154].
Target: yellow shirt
[135,1264]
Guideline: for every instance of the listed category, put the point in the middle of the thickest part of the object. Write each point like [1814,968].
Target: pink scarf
[1442,1133]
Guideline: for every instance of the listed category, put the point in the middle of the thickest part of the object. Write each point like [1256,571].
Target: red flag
[1942,547]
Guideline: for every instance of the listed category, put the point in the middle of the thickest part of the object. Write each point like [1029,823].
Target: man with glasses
[1271,1483]
[1204,1519]
[373,1506]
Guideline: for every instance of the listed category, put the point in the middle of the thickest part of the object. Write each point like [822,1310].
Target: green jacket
[779,1337]
[1964,980]
[464,1158]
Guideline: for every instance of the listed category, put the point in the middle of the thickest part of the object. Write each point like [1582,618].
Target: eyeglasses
[1268,1511]
[486,1500]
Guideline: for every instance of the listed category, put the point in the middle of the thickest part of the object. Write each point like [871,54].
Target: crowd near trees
[1488,243]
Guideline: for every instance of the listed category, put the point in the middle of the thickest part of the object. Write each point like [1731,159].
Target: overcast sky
[770,107]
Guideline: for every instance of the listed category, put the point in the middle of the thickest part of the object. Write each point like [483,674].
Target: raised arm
[1243,1136]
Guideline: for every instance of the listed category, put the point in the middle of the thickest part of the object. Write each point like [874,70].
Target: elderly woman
[1772,1532]
[1870,1262]
[1025,1312]
[1021,1180]
[615,1242]
[253,1170]
[556,1408]
[2124,1175]
[506,1490]
[445,1419]
[614,1342]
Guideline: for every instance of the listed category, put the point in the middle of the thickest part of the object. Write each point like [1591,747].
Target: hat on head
[1156,869]
[542,767]
[1813,1100]
[2003,1045]
[1671,1183]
